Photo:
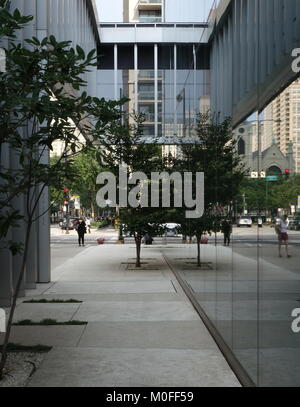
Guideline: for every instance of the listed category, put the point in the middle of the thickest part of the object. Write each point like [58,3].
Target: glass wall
[249,290]
[170,96]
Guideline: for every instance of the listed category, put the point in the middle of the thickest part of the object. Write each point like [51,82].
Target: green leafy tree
[41,102]
[86,167]
[213,152]
[126,145]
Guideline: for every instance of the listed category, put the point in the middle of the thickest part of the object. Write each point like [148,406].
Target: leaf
[80,52]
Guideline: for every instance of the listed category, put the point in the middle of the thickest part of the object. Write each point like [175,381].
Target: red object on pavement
[204,240]
[100,240]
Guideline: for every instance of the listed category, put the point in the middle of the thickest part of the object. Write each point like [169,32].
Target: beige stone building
[283,121]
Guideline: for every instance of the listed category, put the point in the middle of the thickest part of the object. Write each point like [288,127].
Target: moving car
[244,221]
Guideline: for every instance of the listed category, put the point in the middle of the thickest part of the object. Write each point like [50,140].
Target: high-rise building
[158,57]
[283,116]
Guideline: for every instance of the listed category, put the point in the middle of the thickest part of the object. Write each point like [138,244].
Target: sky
[111,10]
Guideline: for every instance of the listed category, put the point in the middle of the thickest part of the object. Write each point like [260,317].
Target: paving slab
[143,335]
[59,335]
[111,287]
[136,311]
[105,367]
[110,275]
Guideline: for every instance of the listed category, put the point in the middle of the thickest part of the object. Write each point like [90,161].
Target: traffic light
[66,196]
[287,173]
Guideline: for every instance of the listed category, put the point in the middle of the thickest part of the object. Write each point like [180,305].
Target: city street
[245,241]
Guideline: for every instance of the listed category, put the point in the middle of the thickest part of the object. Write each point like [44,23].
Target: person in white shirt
[88,224]
[283,235]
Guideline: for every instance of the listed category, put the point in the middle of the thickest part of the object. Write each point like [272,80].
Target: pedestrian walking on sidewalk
[227,230]
[281,230]
[81,230]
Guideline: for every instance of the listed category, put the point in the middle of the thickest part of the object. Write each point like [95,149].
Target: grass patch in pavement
[15,347]
[48,321]
[53,301]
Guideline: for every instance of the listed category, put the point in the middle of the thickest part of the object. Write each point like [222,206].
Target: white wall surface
[110,11]
[187,10]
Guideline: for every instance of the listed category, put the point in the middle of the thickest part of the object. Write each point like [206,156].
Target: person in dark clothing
[81,230]
[226,229]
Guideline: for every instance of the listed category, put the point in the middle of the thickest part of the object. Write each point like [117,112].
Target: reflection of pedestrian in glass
[283,238]
[81,230]
[226,229]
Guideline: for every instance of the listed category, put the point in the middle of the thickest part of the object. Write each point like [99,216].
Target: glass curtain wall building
[161,66]
[248,292]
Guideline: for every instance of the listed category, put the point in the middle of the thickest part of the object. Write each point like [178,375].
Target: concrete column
[29,29]
[42,19]
[288,25]
[243,47]
[278,27]
[262,41]
[296,24]
[55,18]
[251,44]
[270,35]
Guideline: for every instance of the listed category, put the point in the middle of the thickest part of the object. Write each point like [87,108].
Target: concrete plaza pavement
[142,330]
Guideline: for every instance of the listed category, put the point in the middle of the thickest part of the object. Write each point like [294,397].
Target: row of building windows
[125,55]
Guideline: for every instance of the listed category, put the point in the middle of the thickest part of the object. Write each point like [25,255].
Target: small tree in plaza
[125,145]
[41,102]
[212,152]
[140,222]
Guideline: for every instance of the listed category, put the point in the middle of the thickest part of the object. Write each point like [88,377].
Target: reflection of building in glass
[267,158]
[283,126]
[161,66]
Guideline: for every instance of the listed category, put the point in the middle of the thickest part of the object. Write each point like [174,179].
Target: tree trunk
[15,296]
[138,251]
[92,205]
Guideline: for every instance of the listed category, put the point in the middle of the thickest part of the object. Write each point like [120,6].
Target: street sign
[272,178]
[262,174]
[77,203]
[254,174]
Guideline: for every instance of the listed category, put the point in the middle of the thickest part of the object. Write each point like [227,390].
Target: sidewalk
[142,330]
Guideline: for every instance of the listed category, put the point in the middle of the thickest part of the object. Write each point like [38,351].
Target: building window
[241,147]
[150,16]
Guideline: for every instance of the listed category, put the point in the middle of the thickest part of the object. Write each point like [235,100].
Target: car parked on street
[294,223]
[72,223]
[244,221]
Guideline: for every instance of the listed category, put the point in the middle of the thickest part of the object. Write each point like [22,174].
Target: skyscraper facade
[283,115]
[159,62]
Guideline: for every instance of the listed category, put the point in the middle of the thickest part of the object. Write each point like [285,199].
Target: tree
[139,222]
[86,167]
[125,146]
[41,102]
[213,152]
